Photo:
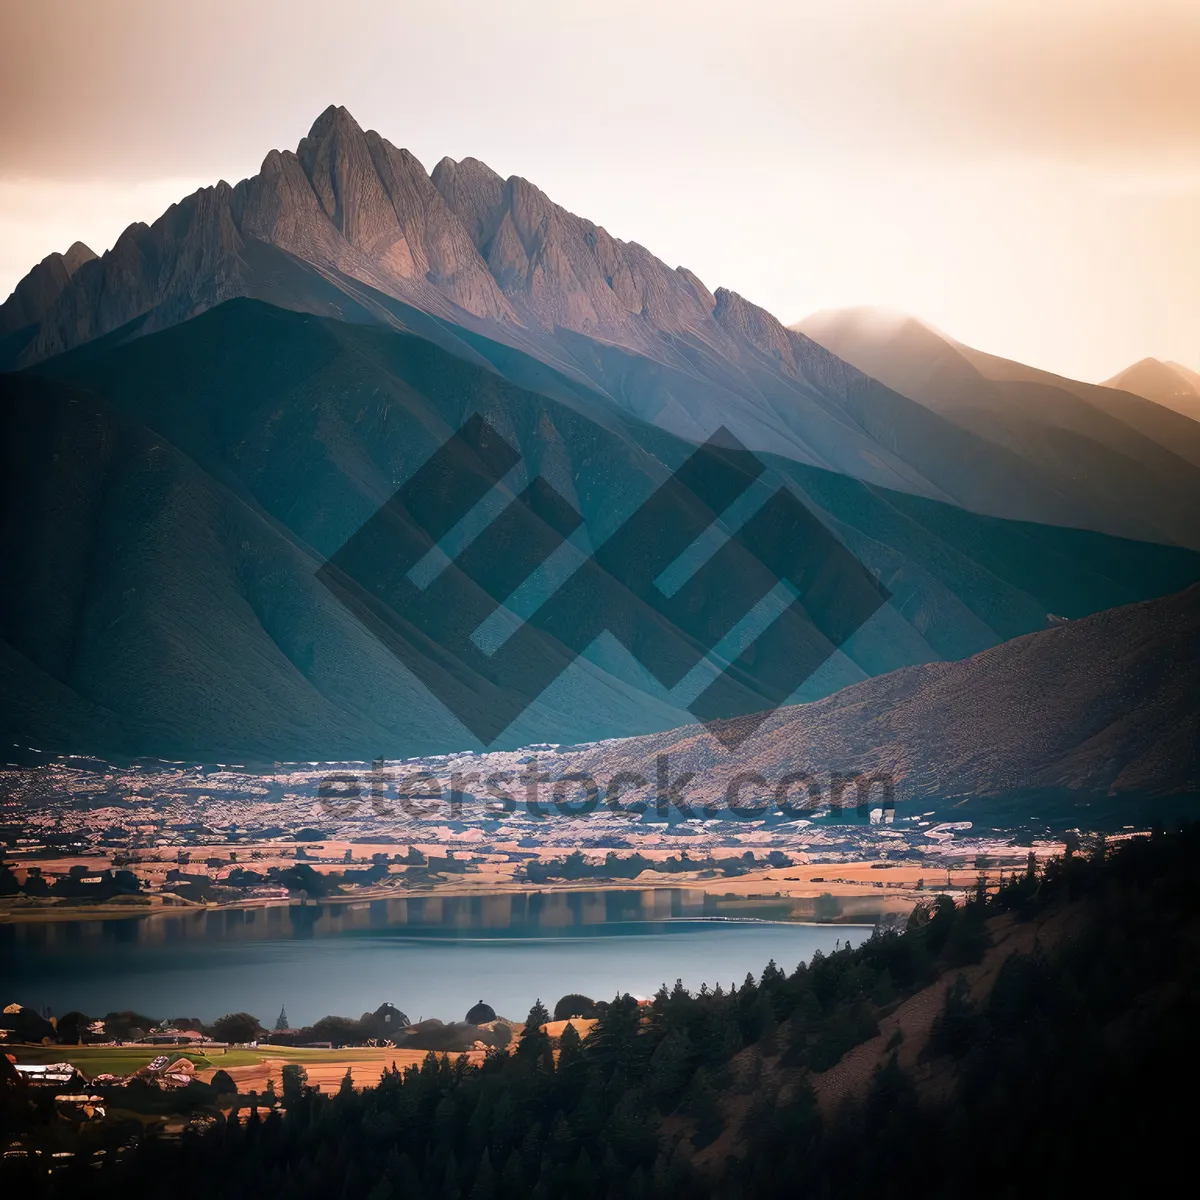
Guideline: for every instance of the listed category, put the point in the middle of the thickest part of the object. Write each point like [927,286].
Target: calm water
[430,961]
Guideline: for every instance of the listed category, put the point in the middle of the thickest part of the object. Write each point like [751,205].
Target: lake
[430,959]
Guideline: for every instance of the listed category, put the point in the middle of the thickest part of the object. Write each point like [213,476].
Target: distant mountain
[1108,705]
[1126,454]
[1168,383]
[169,501]
[348,226]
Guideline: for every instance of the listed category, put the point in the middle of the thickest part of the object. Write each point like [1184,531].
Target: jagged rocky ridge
[37,293]
[462,243]
[349,226]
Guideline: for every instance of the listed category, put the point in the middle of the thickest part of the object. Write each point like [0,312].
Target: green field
[124,1060]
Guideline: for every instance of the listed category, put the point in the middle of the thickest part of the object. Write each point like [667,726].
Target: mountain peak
[474,193]
[464,244]
[335,120]
[1169,384]
[77,254]
[38,291]
[338,160]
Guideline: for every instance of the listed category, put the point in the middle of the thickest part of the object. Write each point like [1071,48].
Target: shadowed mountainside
[1124,452]
[1105,705]
[171,499]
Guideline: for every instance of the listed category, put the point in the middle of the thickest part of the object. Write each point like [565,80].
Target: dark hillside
[170,500]
[1058,1057]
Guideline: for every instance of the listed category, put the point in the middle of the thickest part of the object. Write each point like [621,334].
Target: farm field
[124,1060]
[249,1068]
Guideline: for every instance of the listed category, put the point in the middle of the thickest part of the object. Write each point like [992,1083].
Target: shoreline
[866,897]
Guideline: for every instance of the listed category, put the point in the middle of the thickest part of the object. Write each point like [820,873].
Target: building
[48,1074]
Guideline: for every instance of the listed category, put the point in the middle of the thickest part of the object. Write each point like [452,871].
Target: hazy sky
[1025,174]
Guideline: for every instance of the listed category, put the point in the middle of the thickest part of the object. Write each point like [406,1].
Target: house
[173,1037]
[48,1074]
[81,1105]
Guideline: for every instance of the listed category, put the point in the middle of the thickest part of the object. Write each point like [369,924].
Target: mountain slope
[1109,704]
[171,499]
[1125,454]
[1170,384]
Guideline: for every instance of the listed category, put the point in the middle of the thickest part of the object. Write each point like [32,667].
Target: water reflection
[526,913]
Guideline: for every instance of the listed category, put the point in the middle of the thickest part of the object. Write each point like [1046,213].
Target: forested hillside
[1057,1055]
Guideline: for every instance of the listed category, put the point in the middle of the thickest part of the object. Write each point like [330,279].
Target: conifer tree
[484,1186]
[534,1046]
[570,1048]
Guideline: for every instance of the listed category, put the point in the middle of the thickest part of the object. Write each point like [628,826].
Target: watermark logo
[425,795]
[446,617]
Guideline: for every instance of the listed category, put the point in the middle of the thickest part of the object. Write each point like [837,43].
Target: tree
[35,883]
[630,1131]
[534,1046]
[957,1026]
[570,1048]
[71,1028]
[281,1022]
[8,881]
[484,1187]
[127,1026]
[968,938]
[670,1069]
[338,1030]
[347,1085]
[295,1079]
[614,1039]
[223,1084]
[28,1026]
[704,1106]
[236,1027]
[574,1005]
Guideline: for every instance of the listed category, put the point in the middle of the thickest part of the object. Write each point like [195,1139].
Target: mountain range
[199,419]
[348,226]
[1167,383]
[1125,451]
